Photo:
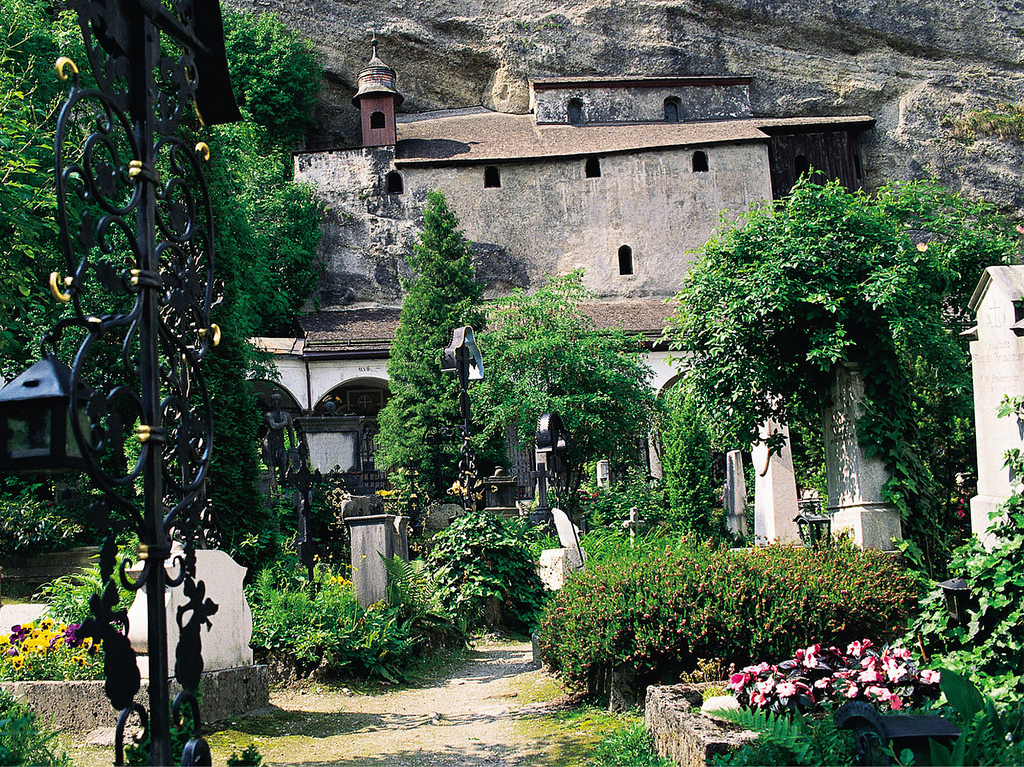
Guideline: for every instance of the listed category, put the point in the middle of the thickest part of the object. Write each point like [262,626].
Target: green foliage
[657,610]
[609,506]
[480,558]
[992,642]
[21,740]
[440,297]
[32,526]
[543,354]
[782,740]
[327,631]
[414,591]
[249,757]
[693,497]
[275,74]
[1005,121]
[628,746]
[67,596]
[990,734]
[779,300]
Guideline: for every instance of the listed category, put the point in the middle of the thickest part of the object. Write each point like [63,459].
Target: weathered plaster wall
[310,381]
[546,218]
[606,105]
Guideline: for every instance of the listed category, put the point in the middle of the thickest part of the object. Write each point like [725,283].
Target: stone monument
[775,497]
[735,496]
[997,357]
[373,537]
[855,479]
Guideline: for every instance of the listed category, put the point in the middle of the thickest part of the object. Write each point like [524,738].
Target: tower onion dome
[377,78]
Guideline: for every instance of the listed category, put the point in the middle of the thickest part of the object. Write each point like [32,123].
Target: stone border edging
[682,733]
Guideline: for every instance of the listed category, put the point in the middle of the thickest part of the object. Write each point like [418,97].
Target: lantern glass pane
[29,435]
[71,444]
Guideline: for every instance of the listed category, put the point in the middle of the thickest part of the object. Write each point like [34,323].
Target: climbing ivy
[778,300]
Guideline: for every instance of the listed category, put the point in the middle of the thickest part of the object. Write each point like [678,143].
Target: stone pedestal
[556,564]
[226,644]
[997,357]
[735,495]
[500,492]
[775,497]
[373,537]
[855,480]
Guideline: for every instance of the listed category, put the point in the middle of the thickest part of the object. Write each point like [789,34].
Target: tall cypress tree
[439,298]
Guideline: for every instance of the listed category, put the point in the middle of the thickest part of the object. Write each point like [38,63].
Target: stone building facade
[620,177]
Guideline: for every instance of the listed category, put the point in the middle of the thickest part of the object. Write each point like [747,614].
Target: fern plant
[796,740]
[414,590]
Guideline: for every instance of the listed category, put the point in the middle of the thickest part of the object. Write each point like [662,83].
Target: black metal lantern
[815,529]
[36,431]
[957,594]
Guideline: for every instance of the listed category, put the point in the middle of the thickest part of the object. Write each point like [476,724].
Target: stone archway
[363,398]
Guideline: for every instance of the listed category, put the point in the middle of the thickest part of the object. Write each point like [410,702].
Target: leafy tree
[275,74]
[688,465]
[440,297]
[542,354]
[778,300]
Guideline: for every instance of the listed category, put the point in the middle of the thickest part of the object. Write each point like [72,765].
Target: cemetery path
[492,707]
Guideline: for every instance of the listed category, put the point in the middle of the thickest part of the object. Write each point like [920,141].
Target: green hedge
[657,612]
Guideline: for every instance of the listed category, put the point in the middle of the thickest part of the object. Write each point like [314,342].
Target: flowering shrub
[49,650]
[657,612]
[887,678]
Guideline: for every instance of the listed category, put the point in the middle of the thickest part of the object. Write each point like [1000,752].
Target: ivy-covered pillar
[855,477]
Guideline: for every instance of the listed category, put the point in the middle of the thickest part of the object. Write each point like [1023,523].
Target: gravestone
[226,644]
[375,536]
[855,479]
[775,497]
[997,357]
[500,491]
[555,564]
[735,495]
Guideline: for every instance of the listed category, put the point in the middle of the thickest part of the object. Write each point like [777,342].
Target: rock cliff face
[915,66]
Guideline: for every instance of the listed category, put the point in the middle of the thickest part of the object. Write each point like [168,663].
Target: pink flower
[738,681]
[1020,229]
[766,686]
[856,649]
[851,691]
[930,677]
[759,700]
[870,675]
[878,692]
[922,246]
[822,683]
[786,690]
[895,702]
[894,671]
[902,653]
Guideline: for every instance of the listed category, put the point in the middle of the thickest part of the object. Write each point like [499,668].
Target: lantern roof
[47,378]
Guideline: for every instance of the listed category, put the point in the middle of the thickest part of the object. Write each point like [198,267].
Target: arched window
[394,183]
[625,260]
[672,110]
[700,162]
[592,169]
[377,120]
[575,112]
[492,179]
[801,165]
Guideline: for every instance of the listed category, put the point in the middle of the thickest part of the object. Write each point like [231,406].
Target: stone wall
[546,217]
[631,104]
[682,733]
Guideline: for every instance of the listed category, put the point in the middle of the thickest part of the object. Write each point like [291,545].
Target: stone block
[735,495]
[556,564]
[373,538]
[775,496]
[81,706]
[682,733]
[226,644]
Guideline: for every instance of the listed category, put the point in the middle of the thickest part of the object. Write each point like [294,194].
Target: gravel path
[493,708]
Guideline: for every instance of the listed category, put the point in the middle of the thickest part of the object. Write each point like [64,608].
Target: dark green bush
[327,632]
[609,506]
[29,526]
[480,558]
[658,612]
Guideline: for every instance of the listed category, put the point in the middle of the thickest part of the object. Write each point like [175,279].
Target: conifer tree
[439,298]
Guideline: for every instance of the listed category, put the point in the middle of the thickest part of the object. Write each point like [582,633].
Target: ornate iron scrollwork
[137,237]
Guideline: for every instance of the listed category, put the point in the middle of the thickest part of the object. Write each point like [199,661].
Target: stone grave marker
[855,479]
[735,495]
[775,496]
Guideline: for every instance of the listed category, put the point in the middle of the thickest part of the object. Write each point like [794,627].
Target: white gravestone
[775,498]
[555,564]
[735,495]
[997,357]
[855,479]
[226,644]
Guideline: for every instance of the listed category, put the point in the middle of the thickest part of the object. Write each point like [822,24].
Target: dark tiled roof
[369,331]
[496,136]
[355,330]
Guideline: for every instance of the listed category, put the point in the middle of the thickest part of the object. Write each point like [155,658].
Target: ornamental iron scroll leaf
[136,234]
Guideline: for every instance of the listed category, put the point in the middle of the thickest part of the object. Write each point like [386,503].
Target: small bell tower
[377,98]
